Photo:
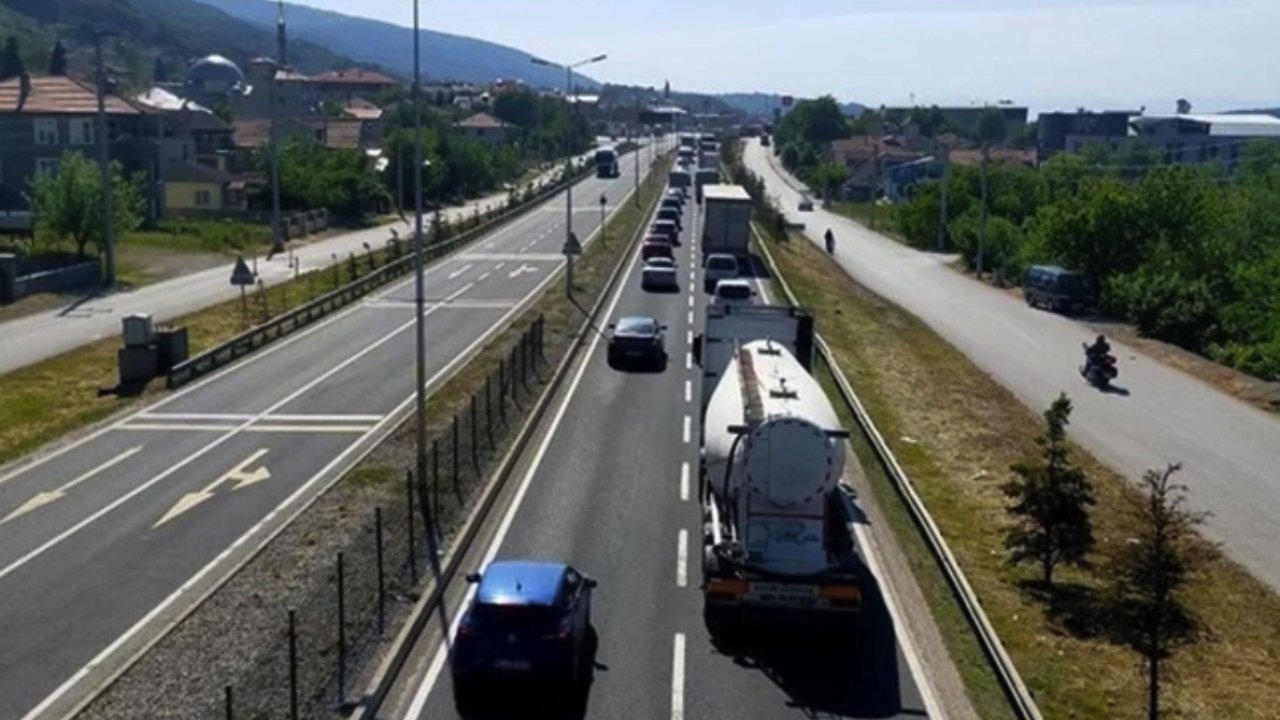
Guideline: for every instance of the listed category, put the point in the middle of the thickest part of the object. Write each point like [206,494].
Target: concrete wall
[14,287]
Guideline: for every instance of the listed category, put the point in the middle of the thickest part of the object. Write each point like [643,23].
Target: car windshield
[637,326]
[1071,283]
[733,291]
[661,262]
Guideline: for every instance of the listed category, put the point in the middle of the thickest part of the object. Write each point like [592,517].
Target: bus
[607,163]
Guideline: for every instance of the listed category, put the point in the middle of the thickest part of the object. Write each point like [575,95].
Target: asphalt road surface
[1230,451]
[45,334]
[106,539]
[610,486]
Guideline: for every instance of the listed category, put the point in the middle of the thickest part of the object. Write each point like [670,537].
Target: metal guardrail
[1020,700]
[394,662]
[277,327]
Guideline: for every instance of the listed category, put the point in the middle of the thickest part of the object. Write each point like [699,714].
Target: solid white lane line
[255,428]
[442,653]
[682,559]
[688,426]
[684,482]
[677,679]
[688,391]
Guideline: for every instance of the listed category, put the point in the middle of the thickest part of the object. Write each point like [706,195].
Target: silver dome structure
[214,75]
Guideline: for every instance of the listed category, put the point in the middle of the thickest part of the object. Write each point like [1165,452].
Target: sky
[1046,54]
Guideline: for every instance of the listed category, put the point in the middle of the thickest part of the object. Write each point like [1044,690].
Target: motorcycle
[831,243]
[1099,371]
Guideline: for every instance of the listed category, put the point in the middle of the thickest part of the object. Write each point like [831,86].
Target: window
[46,131]
[82,131]
[203,198]
[47,165]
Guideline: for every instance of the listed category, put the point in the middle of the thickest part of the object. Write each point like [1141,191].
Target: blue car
[529,620]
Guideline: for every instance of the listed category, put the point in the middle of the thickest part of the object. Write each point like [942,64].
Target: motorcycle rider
[1097,352]
[831,242]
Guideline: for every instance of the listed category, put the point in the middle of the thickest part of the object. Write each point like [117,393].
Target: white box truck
[726,215]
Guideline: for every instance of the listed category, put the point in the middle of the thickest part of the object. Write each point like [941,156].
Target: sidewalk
[33,338]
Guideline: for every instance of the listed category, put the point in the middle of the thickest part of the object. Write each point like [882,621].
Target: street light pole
[104,164]
[568,165]
[419,295]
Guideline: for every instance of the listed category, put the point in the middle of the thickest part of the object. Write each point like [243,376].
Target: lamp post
[569,239]
[420,342]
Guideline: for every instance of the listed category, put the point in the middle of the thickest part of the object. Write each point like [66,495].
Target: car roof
[733,283]
[521,582]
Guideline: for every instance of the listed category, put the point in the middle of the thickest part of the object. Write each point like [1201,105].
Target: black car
[637,339]
[530,621]
[1056,289]
[672,215]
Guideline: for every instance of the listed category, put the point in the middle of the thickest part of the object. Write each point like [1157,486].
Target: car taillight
[466,628]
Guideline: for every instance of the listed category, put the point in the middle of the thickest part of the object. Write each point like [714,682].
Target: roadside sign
[572,246]
[242,275]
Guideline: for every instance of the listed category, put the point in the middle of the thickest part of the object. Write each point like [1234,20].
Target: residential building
[42,117]
[333,133]
[192,188]
[346,85]
[485,128]
[964,118]
[867,158]
[1056,131]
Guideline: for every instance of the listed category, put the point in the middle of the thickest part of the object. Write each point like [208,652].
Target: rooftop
[481,121]
[56,94]
[1226,125]
[355,76]
[336,133]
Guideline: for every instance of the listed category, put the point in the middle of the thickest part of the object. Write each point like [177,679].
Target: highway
[105,540]
[1230,451]
[610,486]
[48,333]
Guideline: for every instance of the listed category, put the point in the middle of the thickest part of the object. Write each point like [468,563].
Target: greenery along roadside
[957,434]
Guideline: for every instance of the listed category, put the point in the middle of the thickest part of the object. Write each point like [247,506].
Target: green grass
[224,237]
[956,432]
[885,221]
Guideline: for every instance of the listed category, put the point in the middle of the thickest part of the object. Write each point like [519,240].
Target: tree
[1184,106]
[991,127]
[58,59]
[1051,499]
[10,61]
[1149,573]
[829,177]
[68,204]
[159,72]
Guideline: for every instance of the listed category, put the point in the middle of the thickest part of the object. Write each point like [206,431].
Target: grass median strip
[956,432]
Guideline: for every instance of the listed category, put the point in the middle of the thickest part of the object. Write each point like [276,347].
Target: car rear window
[515,617]
[722,263]
[639,326]
[733,292]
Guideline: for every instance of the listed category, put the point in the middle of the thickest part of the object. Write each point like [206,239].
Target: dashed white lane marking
[688,425]
[688,391]
[44,498]
[196,427]
[484,276]
[460,271]
[677,679]
[690,317]
[269,418]
[684,482]
[682,559]
[690,301]
[688,360]
[499,266]
[688,337]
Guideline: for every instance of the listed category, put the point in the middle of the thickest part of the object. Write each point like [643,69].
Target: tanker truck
[777,539]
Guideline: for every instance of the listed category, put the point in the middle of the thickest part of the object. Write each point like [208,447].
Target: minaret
[282,44]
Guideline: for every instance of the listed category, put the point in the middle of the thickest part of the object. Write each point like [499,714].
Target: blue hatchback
[529,620]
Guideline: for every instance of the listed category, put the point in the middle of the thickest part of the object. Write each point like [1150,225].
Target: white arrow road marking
[41,499]
[240,475]
[459,271]
[522,270]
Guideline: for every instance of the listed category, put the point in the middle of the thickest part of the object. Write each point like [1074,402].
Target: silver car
[659,273]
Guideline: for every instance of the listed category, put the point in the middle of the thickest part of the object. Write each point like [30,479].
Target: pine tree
[1051,498]
[58,59]
[1149,572]
[10,61]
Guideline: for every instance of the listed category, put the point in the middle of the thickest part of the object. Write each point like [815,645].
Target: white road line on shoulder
[688,391]
[684,482]
[688,427]
[677,678]
[442,653]
[682,559]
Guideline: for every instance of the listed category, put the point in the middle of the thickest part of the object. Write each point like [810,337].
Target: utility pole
[639,150]
[942,208]
[568,181]
[419,295]
[277,225]
[982,227]
[875,182]
[104,165]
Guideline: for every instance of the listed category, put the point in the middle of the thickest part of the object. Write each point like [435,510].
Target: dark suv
[529,620]
[637,339]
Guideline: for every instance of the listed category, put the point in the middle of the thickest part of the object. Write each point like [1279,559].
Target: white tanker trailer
[777,531]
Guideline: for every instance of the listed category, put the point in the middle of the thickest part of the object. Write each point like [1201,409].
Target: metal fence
[305,667]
